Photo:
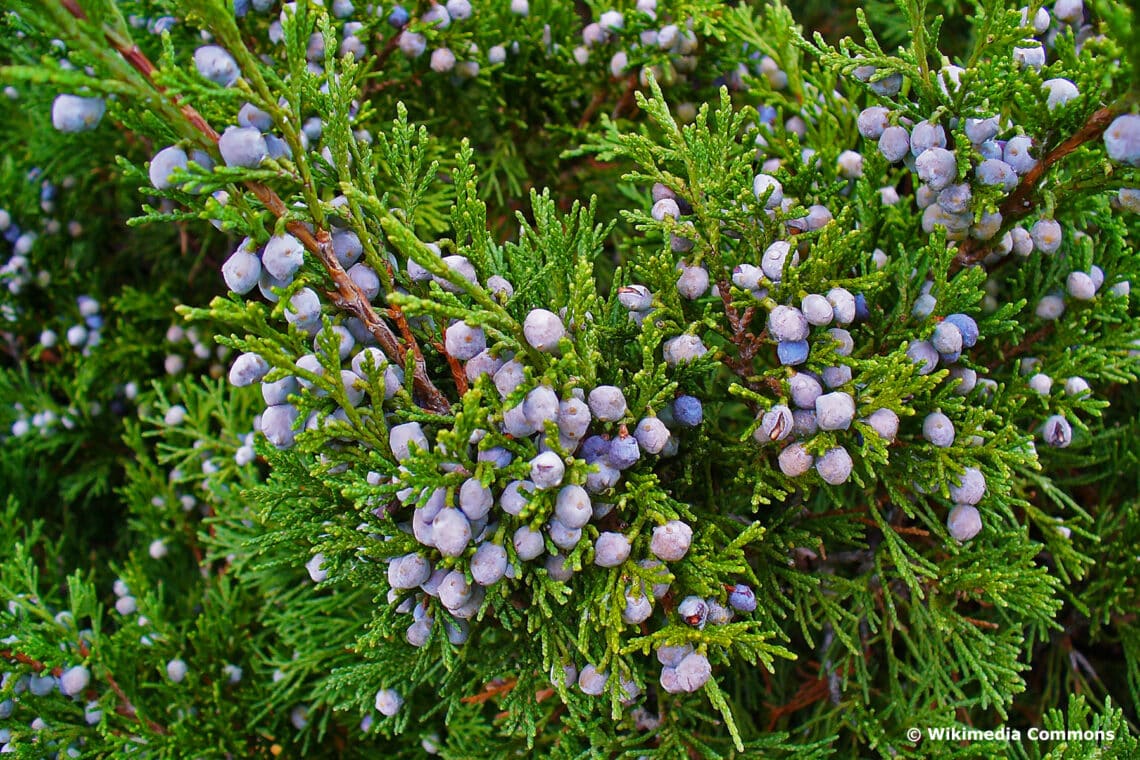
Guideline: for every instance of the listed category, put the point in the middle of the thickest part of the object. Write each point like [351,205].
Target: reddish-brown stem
[140,63]
[1023,198]
[626,101]
[386,52]
[457,372]
[74,9]
[1025,346]
[747,344]
[413,79]
[378,64]
[397,314]
[347,295]
[199,557]
[901,529]
[592,108]
[125,707]
[24,659]
[981,623]
[491,690]
[813,689]
[734,321]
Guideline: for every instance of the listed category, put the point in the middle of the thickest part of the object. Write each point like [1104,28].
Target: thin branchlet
[1024,200]
[347,294]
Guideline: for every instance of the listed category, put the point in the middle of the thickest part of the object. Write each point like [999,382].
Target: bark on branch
[347,295]
[125,707]
[1023,199]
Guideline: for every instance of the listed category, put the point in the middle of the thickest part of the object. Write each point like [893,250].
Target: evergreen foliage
[552,379]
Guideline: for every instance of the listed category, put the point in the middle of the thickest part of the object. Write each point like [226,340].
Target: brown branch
[900,529]
[626,101]
[199,557]
[747,343]
[378,63]
[982,623]
[23,659]
[735,323]
[396,313]
[810,691]
[127,709]
[1023,199]
[491,690]
[347,295]
[413,79]
[592,108]
[74,9]
[457,372]
[1026,345]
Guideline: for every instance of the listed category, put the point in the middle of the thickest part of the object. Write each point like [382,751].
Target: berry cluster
[815,326]
[44,421]
[814,409]
[951,336]
[443,59]
[683,669]
[442,34]
[946,190]
[957,189]
[16,273]
[546,505]
[789,326]
[178,359]
[73,682]
[677,41]
[84,335]
[532,483]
